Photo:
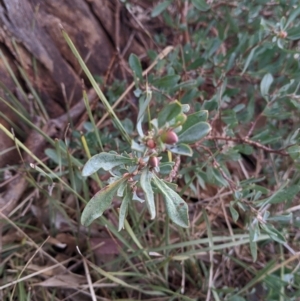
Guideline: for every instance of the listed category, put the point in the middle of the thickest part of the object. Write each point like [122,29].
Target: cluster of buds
[167,137]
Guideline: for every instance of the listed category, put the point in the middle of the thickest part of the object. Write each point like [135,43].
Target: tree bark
[31,39]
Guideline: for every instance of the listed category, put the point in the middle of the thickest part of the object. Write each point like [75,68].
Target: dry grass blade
[26,265]
[88,276]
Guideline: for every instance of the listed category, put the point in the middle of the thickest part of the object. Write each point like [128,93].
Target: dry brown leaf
[67,280]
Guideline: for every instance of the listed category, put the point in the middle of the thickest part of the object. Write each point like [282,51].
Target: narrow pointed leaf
[100,202]
[124,206]
[249,59]
[254,233]
[143,104]
[121,189]
[234,212]
[273,232]
[107,161]
[293,15]
[201,5]
[145,182]
[194,133]
[176,207]
[158,9]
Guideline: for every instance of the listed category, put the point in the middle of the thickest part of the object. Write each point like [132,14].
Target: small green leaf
[178,121]
[254,233]
[249,59]
[194,133]
[165,167]
[121,189]
[169,112]
[282,22]
[284,218]
[234,213]
[229,117]
[231,61]
[190,84]
[173,186]
[53,155]
[158,9]
[107,161]
[201,5]
[254,230]
[281,195]
[253,250]
[166,82]
[145,182]
[176,207]
[273,232]
[100,202]
[137,147]
[265,85]
[218,177]
[294,14]
[260,188]
[293,33]
[294,151]
[143,105]
[182,149]
[124,206]
[194,118]
[244,149]
[185,108]
[196,63]
[136,66]
[211,104]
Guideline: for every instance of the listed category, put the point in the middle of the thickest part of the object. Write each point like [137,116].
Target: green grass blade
[34,93]
[108,107]
[89,111]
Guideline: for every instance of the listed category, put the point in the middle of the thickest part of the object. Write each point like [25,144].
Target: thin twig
[281,152]
[117,26]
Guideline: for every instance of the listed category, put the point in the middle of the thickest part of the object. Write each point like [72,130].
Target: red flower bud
[169,137]
[151,143]
[282,34]
[153,162]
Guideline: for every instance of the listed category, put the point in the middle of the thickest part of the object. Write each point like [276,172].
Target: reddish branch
[246,140]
